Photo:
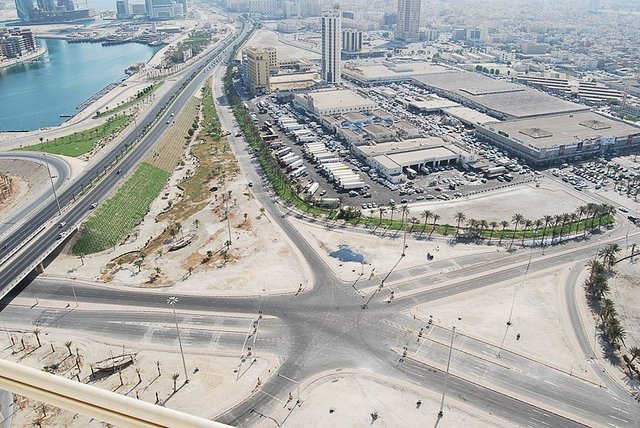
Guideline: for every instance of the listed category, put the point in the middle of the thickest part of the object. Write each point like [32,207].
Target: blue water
[33,95]
[346,254]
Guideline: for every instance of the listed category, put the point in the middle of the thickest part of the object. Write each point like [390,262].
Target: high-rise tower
[408,20]
[331,45]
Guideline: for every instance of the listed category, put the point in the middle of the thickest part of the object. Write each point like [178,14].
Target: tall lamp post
[55,195]
[446,376]
[172,301]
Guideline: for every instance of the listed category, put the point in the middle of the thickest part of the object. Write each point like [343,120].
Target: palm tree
[435,218]
[566,218]
[158,367]
[459,217]
[174,378]
[68,345]
[527,225]
[615,332]
[607,310]
[538,224]
[392,208]
[596,268]
[504,224]
[493,225]
[516,220]
[635,353]
[547,220]
[574,217]
[382,210]
[36,332]
[426,215]
[483,225]
[609,254]
[139,376]
[557,219]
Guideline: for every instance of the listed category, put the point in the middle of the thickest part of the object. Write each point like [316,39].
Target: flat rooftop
[385,70]
[510,99]
[431,103]
[409,145]
[339,98]
[468,115]
[550,131]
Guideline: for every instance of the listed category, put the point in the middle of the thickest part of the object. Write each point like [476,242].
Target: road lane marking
[619,419]
[550,383]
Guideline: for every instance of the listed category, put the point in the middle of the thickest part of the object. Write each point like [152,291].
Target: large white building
[408,20]
[331,45]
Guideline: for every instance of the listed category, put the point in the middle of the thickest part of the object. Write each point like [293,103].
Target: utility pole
[55,195]
[172,301]
[446,376]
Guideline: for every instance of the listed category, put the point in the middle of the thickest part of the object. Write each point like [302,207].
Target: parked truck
[329,202]
[291,160]
[283,152]
[294,165]
[284,160]
[313,189]
[298,172]
[352,185]
[495,171]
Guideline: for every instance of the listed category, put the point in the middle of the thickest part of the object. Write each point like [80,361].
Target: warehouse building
[551,139]
[393,158]
[498,98]
[334,101]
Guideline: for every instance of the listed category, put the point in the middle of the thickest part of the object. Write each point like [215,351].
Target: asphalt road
[60,170]
[173,101]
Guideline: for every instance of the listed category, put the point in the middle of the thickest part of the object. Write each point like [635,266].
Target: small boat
[65,115]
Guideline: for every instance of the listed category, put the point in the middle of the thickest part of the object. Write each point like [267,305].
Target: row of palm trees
[598,288]
[588,216]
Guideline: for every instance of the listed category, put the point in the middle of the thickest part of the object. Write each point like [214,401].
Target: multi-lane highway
[98,180]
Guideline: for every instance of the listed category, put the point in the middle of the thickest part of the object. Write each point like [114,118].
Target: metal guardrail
[104,405]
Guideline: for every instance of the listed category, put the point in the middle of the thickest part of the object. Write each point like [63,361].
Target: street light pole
[172,301]
[446,376]
[55,195]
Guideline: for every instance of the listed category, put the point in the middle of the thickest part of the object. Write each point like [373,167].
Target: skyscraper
[408,20]
[24,9]
[331,45]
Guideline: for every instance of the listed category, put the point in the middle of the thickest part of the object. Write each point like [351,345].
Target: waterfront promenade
[5,63]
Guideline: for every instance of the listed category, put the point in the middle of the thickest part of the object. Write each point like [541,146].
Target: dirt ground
[212,389]
[355,400]
[625,292]
[268,38]
[538,315]
[550,198]
[380,253]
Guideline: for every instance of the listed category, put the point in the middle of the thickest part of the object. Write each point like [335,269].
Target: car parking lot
[440,184]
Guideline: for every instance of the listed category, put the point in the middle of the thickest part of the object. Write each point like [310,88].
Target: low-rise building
[392,158]
[551,139]
[332,102]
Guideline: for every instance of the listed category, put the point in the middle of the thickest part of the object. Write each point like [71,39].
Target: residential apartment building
[258,68]
[408,27]
[351,40]
[331,45]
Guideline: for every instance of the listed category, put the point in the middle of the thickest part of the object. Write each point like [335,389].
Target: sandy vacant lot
[549,199]
[212,389]
[625,291]
[267,38]
[380,253]
[350,400]
[538,315]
